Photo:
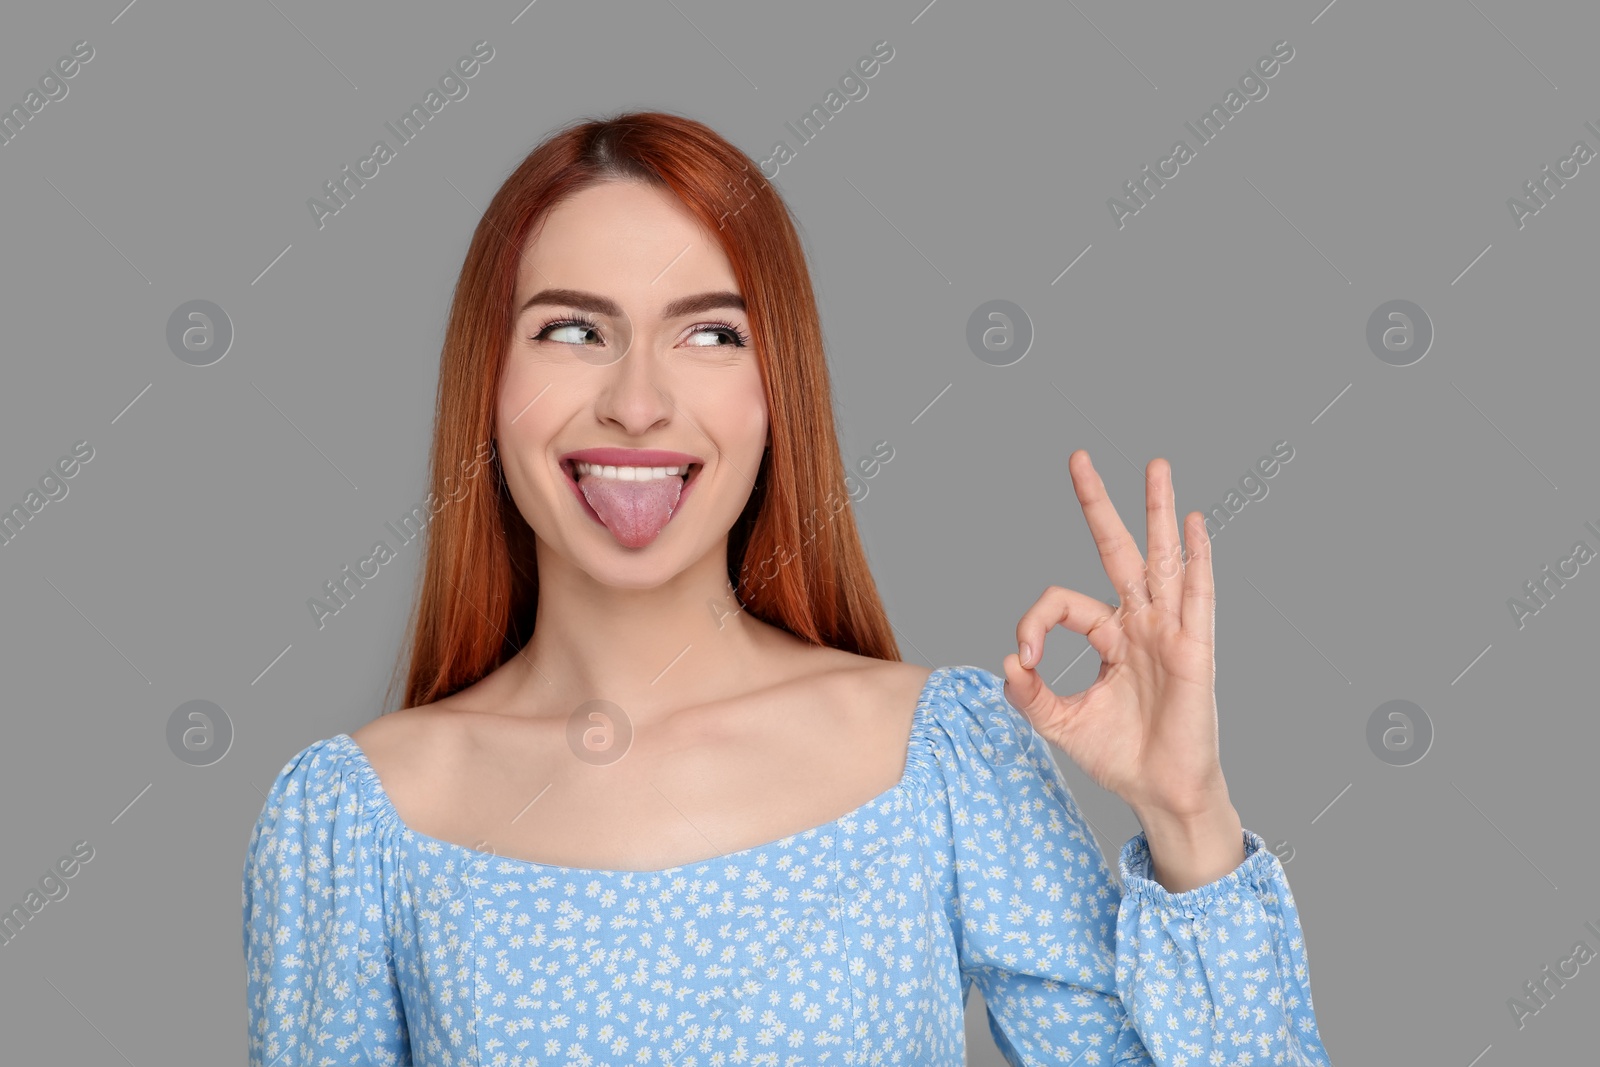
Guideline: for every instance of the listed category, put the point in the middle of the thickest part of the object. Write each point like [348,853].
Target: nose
[635,395]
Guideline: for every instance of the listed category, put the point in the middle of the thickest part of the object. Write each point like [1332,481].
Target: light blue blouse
[852,943]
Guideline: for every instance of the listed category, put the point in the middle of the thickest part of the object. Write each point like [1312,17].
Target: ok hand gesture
[1146,729]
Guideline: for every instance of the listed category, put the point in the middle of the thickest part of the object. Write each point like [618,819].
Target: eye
[735,338]
[575,325]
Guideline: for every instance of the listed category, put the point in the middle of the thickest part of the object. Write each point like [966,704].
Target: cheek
[524,427]
[520,382]
[750,400]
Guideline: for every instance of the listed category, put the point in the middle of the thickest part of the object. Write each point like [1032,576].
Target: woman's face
[629,339]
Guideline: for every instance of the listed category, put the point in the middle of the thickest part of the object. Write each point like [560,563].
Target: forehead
[628,240]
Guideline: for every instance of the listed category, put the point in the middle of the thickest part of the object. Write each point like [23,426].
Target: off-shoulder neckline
[920,724]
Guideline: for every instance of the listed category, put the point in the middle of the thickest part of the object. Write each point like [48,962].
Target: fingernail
[1026,653]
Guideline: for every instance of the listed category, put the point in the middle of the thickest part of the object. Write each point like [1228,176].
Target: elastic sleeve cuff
[1259,866]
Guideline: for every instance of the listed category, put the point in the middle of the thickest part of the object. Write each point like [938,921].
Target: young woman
[662,791]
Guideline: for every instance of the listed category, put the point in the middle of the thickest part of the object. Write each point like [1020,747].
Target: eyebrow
[687,305]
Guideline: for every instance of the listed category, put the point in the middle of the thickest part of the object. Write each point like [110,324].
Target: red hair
[794,555]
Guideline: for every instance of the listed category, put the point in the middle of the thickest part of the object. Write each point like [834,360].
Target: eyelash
[741,338]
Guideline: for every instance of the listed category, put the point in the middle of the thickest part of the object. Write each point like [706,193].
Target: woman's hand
[1146,729]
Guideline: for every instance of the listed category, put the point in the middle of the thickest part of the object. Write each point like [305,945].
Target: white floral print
[852,943]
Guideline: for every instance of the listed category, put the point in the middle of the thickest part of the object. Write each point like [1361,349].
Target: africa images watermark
[339,189]
[783,554]
[1170,566]
[1538,589]
[854,88]
[52,888]
[339,590]
[1539,992]
[54,487]
[1253,87]
[1254,488]
[1539,190]
[52,86]
[869,467]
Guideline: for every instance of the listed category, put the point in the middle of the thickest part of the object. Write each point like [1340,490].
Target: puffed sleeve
[321,986]
[1075,971]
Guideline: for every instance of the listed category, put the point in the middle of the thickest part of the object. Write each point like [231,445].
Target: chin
[634,572]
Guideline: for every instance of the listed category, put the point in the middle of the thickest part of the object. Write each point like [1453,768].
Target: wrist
[1191,848]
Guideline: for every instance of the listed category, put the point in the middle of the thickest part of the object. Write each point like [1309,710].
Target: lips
[632,457]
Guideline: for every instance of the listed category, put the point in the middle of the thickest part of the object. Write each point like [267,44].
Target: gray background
[1228,315]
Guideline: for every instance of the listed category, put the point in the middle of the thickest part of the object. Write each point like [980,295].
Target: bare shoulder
[901,682]
[884,690]
[410,744]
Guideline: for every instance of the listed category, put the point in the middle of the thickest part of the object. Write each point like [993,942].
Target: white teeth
[627,474]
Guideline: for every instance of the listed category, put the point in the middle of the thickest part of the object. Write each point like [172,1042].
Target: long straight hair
[794,554]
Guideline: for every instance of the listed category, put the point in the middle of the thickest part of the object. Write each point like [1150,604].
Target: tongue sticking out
[634,512]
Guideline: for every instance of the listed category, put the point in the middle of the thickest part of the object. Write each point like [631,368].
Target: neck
[647,650]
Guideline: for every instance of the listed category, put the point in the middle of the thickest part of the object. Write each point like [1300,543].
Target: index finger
[1118,553]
